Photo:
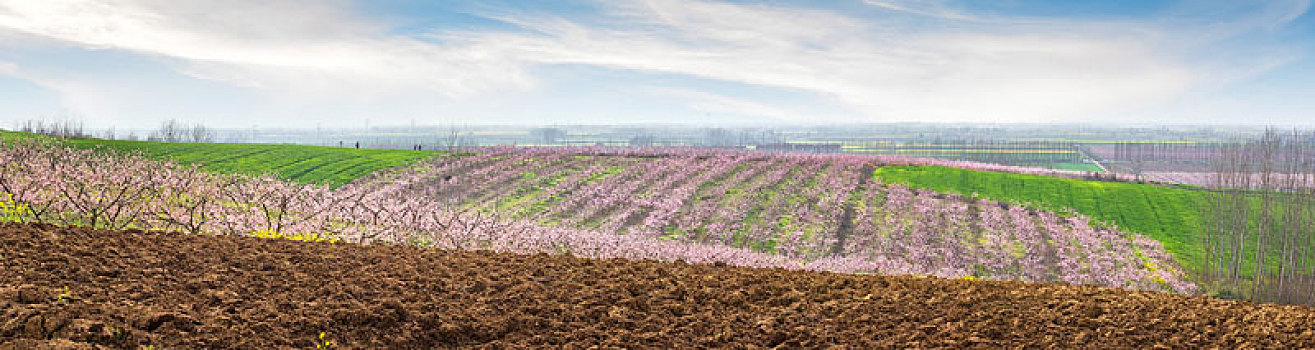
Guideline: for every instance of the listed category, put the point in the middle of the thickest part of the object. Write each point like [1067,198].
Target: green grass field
[306,164]
[6,135]
[1075,166]
[1169,215]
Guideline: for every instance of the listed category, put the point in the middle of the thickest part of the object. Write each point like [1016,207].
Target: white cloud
[8,68]
[301,47]
[933,8]
[944,64]
[886,70]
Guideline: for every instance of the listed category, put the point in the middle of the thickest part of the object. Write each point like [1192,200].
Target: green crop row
[305,164]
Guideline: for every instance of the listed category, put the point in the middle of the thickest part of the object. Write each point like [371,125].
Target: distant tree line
[174,131]
[169,131]
[67,128]
[1260,232]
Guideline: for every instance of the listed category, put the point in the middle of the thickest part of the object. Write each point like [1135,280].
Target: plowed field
[77,288]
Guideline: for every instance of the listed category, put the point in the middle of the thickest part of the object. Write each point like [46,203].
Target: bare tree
[61,128]
[548,136]
[452,139]
[174,131]
[170,131]
[200,133]
[1259,233]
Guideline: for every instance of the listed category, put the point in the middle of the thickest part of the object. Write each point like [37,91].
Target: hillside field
[810,207]
[305,164]
[742,208]
[1169,215]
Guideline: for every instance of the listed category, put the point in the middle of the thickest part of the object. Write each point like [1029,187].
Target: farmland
[801,206]
[644,174]
[69,287]
[1169,215]
[1057,147]
[1050,154]
[798,211]
[851,214]
[305,164]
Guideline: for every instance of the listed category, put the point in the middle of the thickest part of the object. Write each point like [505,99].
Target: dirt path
[130,288]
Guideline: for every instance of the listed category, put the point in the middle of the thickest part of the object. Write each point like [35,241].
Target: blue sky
[132,64]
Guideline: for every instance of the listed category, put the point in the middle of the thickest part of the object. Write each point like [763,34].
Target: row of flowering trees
[807,207]
[695,206]
[46,183]
[98,189]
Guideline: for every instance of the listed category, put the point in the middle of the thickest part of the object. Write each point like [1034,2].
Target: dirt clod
[182,291]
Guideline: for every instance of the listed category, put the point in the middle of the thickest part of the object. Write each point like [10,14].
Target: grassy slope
[1169,215]
[305,164]
[6,135]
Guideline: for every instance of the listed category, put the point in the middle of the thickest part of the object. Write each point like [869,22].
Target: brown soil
[126,289]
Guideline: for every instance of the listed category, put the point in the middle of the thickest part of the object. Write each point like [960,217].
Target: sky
[294,63]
